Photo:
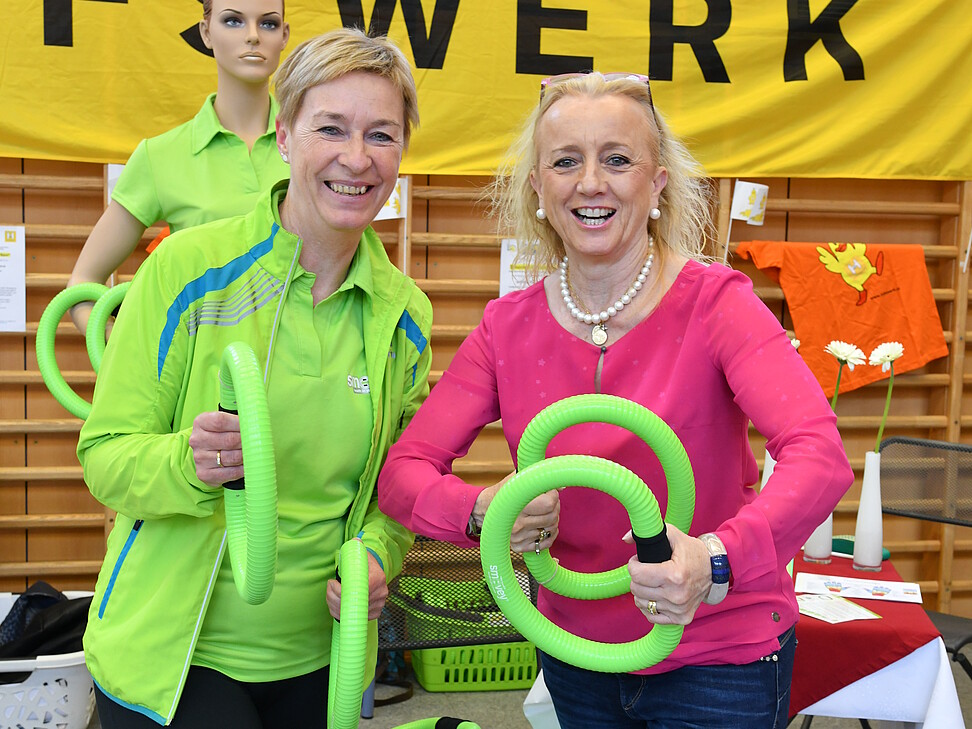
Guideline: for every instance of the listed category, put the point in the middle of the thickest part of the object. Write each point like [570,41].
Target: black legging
[211,699]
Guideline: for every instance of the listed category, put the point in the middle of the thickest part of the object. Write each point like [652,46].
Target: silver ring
[536,546]
[652,607]
[219,459]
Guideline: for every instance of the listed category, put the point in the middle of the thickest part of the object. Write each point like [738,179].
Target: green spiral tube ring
[94,336]
[537,476]
[349,640]
[46,332]
[251,512]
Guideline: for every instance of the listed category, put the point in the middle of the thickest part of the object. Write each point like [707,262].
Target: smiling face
[246,37]
[345,146]
[596,176]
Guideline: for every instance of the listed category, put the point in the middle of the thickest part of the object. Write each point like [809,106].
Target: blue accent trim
[213,279]
[157,718]
[414,334]
[118,564]
[412,331]
[372,552]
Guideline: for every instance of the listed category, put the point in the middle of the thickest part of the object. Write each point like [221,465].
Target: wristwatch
[720,569]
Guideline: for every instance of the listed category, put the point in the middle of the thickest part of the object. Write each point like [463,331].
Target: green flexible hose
[349,639]
[46,332]
[251,512]
[537,476]
[98,320]
[349,645]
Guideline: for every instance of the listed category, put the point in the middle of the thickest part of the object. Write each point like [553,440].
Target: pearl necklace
[599,334]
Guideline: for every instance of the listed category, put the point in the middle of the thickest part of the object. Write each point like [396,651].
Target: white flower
[795,342]
[846,353]
[885,354]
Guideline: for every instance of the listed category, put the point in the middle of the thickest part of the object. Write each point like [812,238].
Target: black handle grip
[653,549]
[236,484]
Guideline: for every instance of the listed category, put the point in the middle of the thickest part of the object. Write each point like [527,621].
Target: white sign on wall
[13,279]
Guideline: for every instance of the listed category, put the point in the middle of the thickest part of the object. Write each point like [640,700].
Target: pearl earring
[541,214]
[284,157]
[654,214]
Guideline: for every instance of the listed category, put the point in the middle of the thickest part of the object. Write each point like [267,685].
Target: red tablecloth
[829,657]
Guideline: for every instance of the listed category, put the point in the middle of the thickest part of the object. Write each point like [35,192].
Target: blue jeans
[752,696]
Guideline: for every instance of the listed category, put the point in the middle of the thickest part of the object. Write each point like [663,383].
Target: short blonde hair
[686,221]
[337,53]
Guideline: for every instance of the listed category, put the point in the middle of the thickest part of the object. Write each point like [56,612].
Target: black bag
[43,622]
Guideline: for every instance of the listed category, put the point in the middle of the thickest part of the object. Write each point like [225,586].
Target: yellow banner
[808,88]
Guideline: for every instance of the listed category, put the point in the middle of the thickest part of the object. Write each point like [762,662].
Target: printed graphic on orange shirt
[850,262]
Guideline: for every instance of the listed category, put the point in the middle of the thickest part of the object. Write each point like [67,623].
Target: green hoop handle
[94,335]
[349,645]
[44,345]
[537,476]
[251,511]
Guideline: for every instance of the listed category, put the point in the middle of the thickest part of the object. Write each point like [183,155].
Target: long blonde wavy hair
[685,225]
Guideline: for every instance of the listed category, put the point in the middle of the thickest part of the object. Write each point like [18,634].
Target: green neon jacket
[159,371]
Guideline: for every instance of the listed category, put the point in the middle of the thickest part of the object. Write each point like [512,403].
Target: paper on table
[833,609]
[859,588]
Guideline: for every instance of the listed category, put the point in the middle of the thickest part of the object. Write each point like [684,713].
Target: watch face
[720,569]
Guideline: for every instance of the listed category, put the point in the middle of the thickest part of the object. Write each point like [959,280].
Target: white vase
[869,532]
[768,465]
[820,544]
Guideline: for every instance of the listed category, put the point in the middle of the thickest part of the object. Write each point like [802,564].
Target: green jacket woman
[165,598]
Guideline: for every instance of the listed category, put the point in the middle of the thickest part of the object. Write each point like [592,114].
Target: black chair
[931,480]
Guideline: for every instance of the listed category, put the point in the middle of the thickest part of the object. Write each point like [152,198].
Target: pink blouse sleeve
[416,486]
[774,387]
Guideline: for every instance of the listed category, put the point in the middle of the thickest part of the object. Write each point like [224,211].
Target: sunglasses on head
[554,80]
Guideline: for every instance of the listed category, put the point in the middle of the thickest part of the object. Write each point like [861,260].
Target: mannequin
[214,165]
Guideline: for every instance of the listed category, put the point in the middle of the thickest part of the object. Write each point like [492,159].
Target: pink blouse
[710,358]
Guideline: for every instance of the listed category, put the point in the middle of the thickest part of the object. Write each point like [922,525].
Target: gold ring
[544,534]
[219,459]
[652,607]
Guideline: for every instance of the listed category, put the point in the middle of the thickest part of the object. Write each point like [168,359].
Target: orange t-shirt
[864,294]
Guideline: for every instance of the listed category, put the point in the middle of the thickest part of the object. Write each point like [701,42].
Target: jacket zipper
[118,565]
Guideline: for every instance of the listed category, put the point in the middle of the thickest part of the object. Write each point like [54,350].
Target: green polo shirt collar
[206,125]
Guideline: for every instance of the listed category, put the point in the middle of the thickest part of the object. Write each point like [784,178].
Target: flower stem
[887,407]
[833,401]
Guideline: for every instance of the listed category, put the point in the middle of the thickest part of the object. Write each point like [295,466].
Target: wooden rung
[56,425]
[455,240]
[458,286]
[895,422]
[66,183]
[931,252]
[51,521]
[58,280]
[451,331]
[33,377]
[865,207]
[42,473]
[46,232]
[64,328]
[38,569]
[775,293]
[426,192]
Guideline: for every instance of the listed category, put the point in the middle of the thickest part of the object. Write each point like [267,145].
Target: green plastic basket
[503,666]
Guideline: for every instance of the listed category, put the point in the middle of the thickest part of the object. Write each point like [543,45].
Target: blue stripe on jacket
[212,280]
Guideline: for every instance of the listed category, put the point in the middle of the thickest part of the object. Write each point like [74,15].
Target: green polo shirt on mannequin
[199,171]
[321,350]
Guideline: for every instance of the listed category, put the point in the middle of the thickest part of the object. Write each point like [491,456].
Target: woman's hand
[377,591]
[669,593]
[217,447]
[537,525]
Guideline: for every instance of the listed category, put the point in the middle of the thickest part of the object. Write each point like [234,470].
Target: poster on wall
[13,279]
[761,88]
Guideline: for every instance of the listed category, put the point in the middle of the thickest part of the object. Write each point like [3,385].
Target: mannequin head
[246,37]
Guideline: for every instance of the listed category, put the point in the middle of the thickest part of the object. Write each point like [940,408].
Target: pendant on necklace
[599,334]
